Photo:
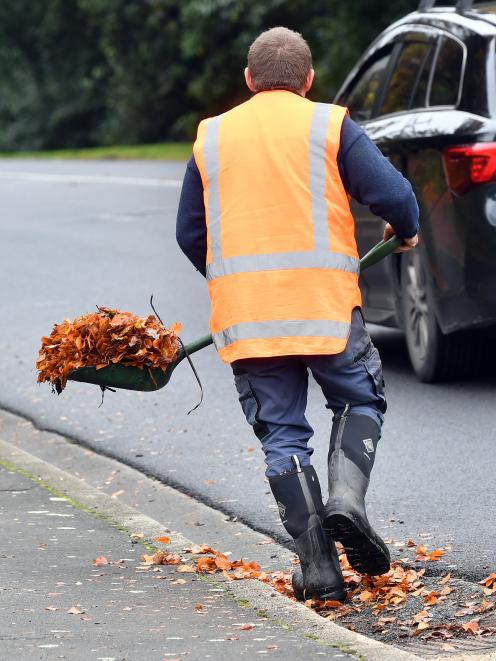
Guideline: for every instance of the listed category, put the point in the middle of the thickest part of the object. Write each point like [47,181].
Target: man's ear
[249,80]
[309,81]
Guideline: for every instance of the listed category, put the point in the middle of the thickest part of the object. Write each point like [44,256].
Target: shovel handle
[378,252]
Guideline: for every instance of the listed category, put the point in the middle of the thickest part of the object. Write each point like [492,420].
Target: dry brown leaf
[246,627]
[100,561]
[485,606]
[160,558]
[433,556]
[75,611]
[489,581]
[162,540]
[199,608]
[445,579]
[207,564]
[432,598]
[198,549]
[186,569]
[331,604]
[222,562]
[147,559]
[472,627]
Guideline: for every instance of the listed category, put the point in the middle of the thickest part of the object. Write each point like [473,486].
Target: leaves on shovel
[104,338]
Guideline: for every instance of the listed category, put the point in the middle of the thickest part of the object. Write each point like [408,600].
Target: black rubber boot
[299,499]
[354,439]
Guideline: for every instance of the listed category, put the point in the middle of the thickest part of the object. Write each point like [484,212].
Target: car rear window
[407,75]
[361,98]
[447,74]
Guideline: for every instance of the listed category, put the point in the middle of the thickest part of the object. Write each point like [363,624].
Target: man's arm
[191,227]
[372,180]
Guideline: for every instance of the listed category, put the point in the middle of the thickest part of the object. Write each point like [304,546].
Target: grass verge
[163,151]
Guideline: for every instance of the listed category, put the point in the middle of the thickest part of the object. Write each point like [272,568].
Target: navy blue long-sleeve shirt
[366,175]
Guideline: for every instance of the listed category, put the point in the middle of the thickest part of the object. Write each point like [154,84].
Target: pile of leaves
[386,595]
[383,596]
[104,338]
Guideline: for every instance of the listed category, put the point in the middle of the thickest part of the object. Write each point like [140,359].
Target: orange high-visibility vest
[282,262]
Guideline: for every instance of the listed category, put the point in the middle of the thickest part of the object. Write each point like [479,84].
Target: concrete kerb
[252,593]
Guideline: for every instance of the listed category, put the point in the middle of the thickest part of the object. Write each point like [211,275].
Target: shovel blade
[126,377]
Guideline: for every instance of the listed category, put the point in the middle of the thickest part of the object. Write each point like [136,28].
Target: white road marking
[88,179]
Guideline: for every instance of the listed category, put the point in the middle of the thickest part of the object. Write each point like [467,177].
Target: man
[264,215]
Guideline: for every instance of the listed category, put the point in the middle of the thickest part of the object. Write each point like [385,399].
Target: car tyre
[434,356]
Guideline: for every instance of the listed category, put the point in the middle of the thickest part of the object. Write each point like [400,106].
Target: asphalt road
[77,234]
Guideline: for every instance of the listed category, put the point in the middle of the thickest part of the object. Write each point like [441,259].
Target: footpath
[79,579]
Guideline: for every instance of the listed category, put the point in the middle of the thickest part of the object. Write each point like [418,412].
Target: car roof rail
[461,5]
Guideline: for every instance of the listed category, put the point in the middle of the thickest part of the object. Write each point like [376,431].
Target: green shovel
[134,378]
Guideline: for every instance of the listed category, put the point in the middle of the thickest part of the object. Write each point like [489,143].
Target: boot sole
[334,595]
[364,550]
[326,594]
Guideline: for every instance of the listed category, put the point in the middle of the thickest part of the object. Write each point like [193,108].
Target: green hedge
[79,73]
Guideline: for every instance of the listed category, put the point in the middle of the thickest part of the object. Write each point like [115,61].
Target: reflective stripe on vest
[319,257]
[281,328]
[211,159]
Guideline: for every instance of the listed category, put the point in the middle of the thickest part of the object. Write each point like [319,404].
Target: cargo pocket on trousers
[373,366]
[250,405]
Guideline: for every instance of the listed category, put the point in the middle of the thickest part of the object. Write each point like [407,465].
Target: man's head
[279,59]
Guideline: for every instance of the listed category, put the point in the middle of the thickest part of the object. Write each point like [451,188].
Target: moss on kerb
[340,646]
[77,505]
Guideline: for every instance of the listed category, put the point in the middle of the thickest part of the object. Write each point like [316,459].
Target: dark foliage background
[77,73]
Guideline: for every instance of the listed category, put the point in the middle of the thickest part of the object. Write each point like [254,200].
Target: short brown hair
[279,59]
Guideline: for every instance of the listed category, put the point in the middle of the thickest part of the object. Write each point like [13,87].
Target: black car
[425,92]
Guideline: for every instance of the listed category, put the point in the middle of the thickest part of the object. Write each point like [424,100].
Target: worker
[264,215]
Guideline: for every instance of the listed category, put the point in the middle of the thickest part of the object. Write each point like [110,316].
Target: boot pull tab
[296,462]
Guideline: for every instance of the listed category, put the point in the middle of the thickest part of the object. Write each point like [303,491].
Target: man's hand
[408,244]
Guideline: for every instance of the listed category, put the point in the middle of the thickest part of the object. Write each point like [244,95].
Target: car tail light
[467,166]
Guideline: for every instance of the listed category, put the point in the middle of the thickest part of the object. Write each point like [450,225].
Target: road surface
[78,234]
